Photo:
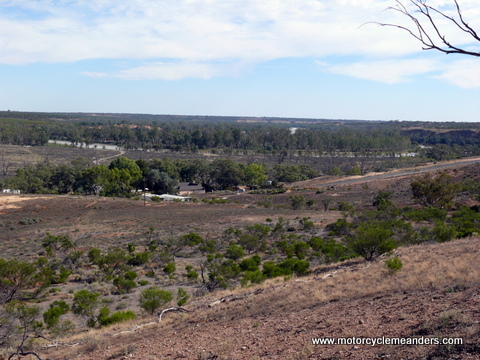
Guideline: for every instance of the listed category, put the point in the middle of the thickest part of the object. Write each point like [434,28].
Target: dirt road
[321,182]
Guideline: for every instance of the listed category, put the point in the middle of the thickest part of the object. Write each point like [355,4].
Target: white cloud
[207,38]
[463,73]
[176,71]
[386,71]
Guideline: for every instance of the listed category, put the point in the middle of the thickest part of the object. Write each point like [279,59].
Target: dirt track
[328,181]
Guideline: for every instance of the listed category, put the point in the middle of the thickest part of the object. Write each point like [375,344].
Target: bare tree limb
[426,30]
[172,309]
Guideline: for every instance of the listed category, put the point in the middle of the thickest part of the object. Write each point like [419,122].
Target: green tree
[226,173]
[85,304]
[15,276]
[24,326]
[255,175]
[51,317]
[153,298]
[383,200]
[297,201]
[123,163]
[56,243]
[438,191]
[234,252]
[370,240]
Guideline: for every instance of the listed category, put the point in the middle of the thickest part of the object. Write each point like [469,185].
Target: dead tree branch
[172,309]
[426,30]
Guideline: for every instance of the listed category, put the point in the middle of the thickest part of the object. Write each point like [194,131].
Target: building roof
[172,197]
[189,186]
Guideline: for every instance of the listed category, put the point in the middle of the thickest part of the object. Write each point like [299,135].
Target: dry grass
[431,268]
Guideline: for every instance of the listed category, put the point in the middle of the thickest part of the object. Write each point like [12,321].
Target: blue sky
[285,58]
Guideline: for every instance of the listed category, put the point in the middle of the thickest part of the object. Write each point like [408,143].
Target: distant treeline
[192,136]
[261,135]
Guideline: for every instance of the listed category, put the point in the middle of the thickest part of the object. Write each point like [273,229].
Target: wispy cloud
[209,38]
[463,73]
[386,71]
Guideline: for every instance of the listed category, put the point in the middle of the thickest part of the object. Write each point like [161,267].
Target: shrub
[124,285]
[254,277]
[300,249]
[192,275]
[95,256]
[51,317]
[297,201]
[250,264]
[307,224]
[84,304]
[371,240]
[182,297]
[331,250]
[436,191]
[191,239]
[249,242]
[383,200]
[153,298]
[466,221]
[299,267]
[169,268]
[139,259]
[234,252]
[130,275]
[105,319]
[345,206]
[271,270]
[339,228]
[394,264]
[428,213]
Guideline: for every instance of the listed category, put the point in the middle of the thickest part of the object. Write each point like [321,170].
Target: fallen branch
[19,354]
[172,309]
[135,328]
[230,298]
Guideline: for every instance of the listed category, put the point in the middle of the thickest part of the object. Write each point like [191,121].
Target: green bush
[271,270]
[124,285]
[153,298]
[169,268]
[105,319]
[139,259]
[253,277]
[191,239]
[192,275]
[250,264]
[339,228]
[371,239]
[330,249]
[429,213]
[394,264]
[234,252]
[345,206]
[298,267]
[51,317]
[466,221]
[182,297]
[442,232]
[84,304]
[130,275]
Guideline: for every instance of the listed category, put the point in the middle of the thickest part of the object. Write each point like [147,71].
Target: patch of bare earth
[435,295]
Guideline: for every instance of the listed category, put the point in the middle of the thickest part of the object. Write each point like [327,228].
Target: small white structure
[11,191]
[168,197]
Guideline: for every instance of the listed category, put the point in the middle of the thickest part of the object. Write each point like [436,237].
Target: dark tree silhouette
[426,27]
